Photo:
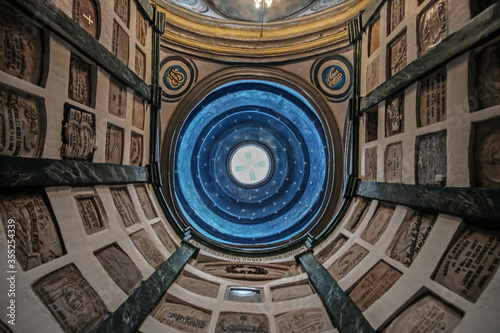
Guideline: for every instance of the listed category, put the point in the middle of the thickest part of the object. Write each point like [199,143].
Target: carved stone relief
[243,271]
[71,299]
[393,163]
[147,206]
[22,124]
[291,292]
[136,149]
[371,163]
[92,212]
[374,38]
[332,248]
[120,268]
[432,98]
[138,112]
[397,54]
[470,263]
[120,47]
[484,78]
[80,80]
[122,9]
[396,14]
[432,26]
[347,262]
[200,287]
[37,238]
[486,153]
[429,313]
[164,237]
[431,158]
[141,28]
[233,322]
[140,63]
[85,13]
[394,115]
[78,138]
[304,321]
[124,206]
[21,46]
[374,285]
[114,144]
[146,247]
[372,74]
[358,215]
[378,223]
[371,125]
[411,236]
[183,318]
[117,101]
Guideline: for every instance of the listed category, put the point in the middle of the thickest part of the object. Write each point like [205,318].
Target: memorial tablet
[291,292]
[22,46]
[136,149]
[411,236]
[371,125]
[331,248]
[347,262]
[183,318]
[37,240]
[393,163]
[304,321]
[394,115]
[372,74]
[140,63]
[431,158]
[147,206]
[246,271]
[22,124]
[117,101]
[378,223]
[358,215]
[396,51]
[92,213]
[432,26]
[486,153]
[71,299]
[122,9]
[86,14]
[470,263]
[146,247]
[200,287]
[371,163]
[120,268]
[114,144]
[484,87]
[120,47]
[78,139]
[432,98]
[374,285]
[242,322]
[124,206]
[164,237]
[374,37]
[429,313]
[395,14]
[138,112]
[80,78]
[141,28]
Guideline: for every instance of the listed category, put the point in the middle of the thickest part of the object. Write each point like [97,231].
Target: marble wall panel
[304,321]
[331,248]
[183,318]
[393,163]
[378,223]
[145,245]
[80,81]
[431,165]
[79,134]
[124,206]
[200,287]
[432,98]
[291,292]
[486,153]
[347,262]
[242,322]
[371,163]
[114,144]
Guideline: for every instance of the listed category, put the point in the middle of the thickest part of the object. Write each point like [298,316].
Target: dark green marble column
[130,315]
[345,315]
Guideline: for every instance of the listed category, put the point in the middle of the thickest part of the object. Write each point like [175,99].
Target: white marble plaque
[431,158]
[136,149]
[432,26]
[372,74]
[394,115]
[393,163]
[124,206]
[371,163]
[347,261]
[146,247]
[120,47]
[242,322]
[114,144]
[200,287]
[183,318]
[358,214]
[432,98]
[291,292]
[147,206]
[80,80]
[117,101]
[138,112]
[332,248]
[304,321]
[79,140]
[486,153]
[92,213]
[164,237]
[378,223]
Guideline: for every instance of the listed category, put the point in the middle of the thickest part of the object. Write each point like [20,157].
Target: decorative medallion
[176,77]
[332,76]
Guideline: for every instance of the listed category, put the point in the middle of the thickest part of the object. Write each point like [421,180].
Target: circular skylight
[250,165]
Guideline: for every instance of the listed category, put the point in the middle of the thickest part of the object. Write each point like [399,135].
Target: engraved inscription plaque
[291,292]
[141,28]
[347,262]
[120,268]
[117,101]
[138,112]
[242,322]
[22,124]
[393,162]
[86,15]
[374,285]
[37,238]
[78,139]
[246,271]
[136,149]
[396,14]
[358,215]
[304,321]
[124,206]
[394,115]
[431,158]
[470,263]
[147,206]
[397,54]
[164,237]
[183,318]
[92,213]
[374,38]
[122,9]
[140,63]
[432,26]
[432,98]
[332,248]
[71,299]
[411,236]
[79,81]
[486,153]
[484,77]
[378,223]
[371,163]
[371,125]
[21,46]
[114,144]
[146,247]
[429,313]
[120,47]
[200,287]
[372,75]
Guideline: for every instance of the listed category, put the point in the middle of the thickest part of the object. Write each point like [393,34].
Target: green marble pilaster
[131,314]
[344,314]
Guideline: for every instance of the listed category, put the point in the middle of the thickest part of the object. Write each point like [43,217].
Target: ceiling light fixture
[259,2]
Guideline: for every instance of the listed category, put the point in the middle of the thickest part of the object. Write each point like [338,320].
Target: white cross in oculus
[250,164]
